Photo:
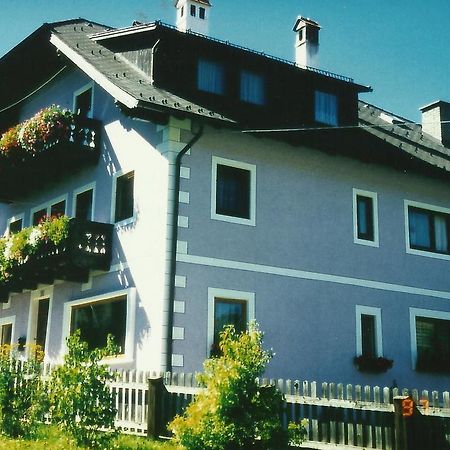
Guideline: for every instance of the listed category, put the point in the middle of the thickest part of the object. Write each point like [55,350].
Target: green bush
[81,402]
[234,412]
[22,393]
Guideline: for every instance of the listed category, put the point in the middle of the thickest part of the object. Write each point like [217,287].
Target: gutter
[170,290]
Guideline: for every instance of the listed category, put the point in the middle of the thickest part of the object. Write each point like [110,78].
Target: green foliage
[22,393]
[81,401]
[234,412]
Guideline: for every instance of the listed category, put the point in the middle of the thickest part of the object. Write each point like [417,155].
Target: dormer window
[193,12]
[326,108]
[210,77]
[252,88]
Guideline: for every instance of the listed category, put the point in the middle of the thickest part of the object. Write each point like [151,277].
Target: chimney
[306,42]
[193,15]
[436,121]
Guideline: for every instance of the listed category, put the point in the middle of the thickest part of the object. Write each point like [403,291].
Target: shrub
[81,402]
[22,393]
[234,412]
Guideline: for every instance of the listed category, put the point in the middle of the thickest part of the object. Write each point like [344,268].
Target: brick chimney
[306,42]
[436,121]
[193,15]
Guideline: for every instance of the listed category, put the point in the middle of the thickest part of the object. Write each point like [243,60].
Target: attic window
[210,77]
[252,88]
[201,13]
[326,108]
[193,14]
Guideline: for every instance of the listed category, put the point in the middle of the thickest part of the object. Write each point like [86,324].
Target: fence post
[400,421]
[154,413]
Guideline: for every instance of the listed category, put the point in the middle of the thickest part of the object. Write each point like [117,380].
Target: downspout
[170,288]
[152,58]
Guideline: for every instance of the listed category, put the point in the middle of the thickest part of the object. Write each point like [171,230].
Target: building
[222,185]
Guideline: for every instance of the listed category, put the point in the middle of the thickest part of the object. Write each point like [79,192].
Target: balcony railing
[87,247]
[61,155]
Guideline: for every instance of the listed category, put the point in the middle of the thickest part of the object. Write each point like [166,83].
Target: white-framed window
[193,10]
[55,207]
[211,76]
[427,230]
[7,330]
[227,307]
[252,88]
[110,313]
[365,218]
[84,202]
[83,101]
[122,206]
[15,224]
[369,337]
[326,108]
[202,13]
[233,191]
[430,340]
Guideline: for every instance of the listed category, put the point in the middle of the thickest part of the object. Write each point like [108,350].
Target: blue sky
[399,47]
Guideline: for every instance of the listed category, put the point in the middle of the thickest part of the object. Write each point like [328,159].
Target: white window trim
[128,355]
[80,190]
[239,165]
[80,91]
[48,204]
[374,197]
[9,320]
[131,219]
[371,311]
[213,293]
[432,208]
[36,295]
[13,219]
[413,313]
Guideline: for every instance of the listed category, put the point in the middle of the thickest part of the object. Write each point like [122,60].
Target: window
[430,340]
[369,341]
[252,88]
[228,307]
[83,101]
[83,203]
[365,218]
[6,334]
[15,224]
[326,108]
[55,207]
[96,320]
[201,13]
[210,77]
[233,191]
[182,11]
[123,204]
[193,10]
[96,317]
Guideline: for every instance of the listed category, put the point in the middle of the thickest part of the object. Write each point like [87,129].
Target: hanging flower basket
[373,364]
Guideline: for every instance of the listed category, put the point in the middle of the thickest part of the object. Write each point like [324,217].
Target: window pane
[252,88]
[39,215]
[192,10]
[202,13]
[15,227]
[440,234]
[229,312]
[364,213]
[83,208]
[124,197]
[368,335]
[233,191]
[6,334]
[210,77]
[96,320]
[58,209]
[83,103]
[419,229]
[326,108]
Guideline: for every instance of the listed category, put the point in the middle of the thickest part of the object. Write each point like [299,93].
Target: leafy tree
[81,401]
[234,412]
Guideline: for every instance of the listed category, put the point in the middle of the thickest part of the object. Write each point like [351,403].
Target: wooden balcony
[88,247]
[62,155]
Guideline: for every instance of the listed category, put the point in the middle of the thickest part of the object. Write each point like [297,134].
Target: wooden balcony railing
[88,247]
[62,155]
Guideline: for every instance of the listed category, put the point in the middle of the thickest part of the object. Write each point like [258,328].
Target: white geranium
[7,250]
[35,236]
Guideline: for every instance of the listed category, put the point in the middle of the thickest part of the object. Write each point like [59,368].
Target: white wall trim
[12,321]
[413,313]
[80,190]
[426,206]
[314,276]
[79,91]
[371,311]
[374,197]
[240,165]
[48,204]
[213,293]
[128,355]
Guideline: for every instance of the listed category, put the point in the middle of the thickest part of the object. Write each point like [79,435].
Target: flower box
[373,364]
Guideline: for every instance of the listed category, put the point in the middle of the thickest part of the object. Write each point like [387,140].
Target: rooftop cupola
[306,42]
[193,15]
